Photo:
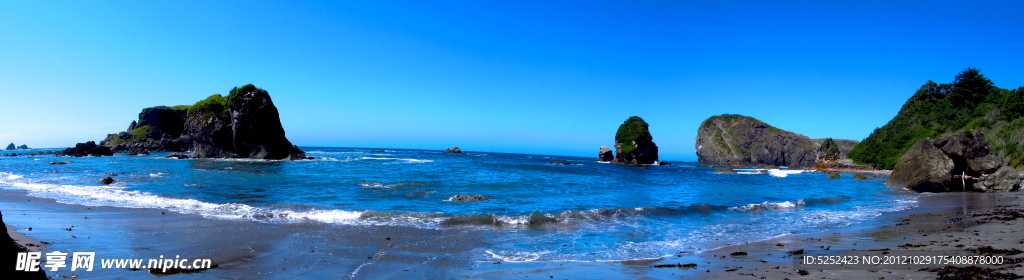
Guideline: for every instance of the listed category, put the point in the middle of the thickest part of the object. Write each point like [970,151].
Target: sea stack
[605,154]
[245,124]
[634,143]
[10,147]
[736,140]
[455,150]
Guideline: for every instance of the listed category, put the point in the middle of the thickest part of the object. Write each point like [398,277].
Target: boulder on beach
[455,150]
[467,197]
[9,250]
[605,154]
[953,162]
[634,143]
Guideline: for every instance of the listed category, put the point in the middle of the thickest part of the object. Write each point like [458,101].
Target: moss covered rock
[634,143]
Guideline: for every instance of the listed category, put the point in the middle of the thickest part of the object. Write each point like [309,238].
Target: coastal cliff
[244,124]
[736,140]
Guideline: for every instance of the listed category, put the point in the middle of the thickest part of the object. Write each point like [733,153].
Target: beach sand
[248,249]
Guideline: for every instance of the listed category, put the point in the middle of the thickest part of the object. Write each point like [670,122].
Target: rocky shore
[954,162]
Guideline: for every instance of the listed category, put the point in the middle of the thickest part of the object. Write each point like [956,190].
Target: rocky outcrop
[605,154]
[953,162]
[9,253]
[467,197]
[11,147]
[86,149]
[107,180]
[634,143]
[558,162]
[245,124]
[455,150]
[177,156]
[23,147]
[735,139]
[727,170]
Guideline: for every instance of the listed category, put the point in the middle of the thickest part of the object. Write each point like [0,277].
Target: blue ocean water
[587,211]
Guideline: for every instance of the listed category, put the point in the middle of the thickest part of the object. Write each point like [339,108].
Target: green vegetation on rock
[634,130]
[829,150]
[970,102]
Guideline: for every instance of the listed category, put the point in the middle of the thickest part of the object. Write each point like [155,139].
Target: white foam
[769,205]
[14,177]
[158,174]
[782,173]
[410,160]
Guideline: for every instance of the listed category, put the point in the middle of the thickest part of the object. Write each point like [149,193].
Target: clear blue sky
[523,77]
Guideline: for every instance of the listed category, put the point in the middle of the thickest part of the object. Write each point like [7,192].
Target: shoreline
[384,251]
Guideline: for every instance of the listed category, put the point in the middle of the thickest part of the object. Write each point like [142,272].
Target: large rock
[923,168]
[1004,179]
[455,150]
[23,147]
[953,162]
[11,147]
[8,256]
[86,149]
[256,126]
[605,154]
[634,143]
[726,140]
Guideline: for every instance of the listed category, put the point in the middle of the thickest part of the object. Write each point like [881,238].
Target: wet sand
[247,249]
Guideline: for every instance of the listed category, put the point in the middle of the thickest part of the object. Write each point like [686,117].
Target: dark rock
[860,177]
[9,250]
[832,176]
[735,139]
[727,170]
[177,156]
[634,143]
[11,147]
[23,147]
[110,174]
[107,180]
[605,154]
[256,126]
[962,147]
[923,168]
[1004,179]
[455,150]
[984,165]
[310,158]
[58,162]
[664,163]
[86,149]
[559,163]
[467,197]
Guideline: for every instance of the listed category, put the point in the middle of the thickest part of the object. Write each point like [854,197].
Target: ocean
[535,212]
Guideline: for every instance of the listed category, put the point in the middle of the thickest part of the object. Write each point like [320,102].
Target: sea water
[534,212]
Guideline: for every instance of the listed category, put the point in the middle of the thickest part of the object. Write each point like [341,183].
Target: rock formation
[467,197]
[605,154]
[11,147]
[86,149]
[9,253]
[245,124]
[634,143]
[455,150]
[23,147]
[953,162]
[727,140]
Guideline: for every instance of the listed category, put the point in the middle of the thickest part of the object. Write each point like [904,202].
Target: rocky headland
[634,143]
[244,124]
[736,140]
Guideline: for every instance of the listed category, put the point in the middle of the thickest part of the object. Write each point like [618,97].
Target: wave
[410,160]
[782,173]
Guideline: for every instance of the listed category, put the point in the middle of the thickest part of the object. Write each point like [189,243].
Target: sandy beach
[247,249]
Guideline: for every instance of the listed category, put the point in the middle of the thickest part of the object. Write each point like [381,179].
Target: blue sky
[524,77]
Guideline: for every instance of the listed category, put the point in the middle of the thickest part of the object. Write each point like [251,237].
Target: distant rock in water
[11,147]
[245,124]
[860,177]
[557,162]
[177,156]
[634,143]
[23,147]
[727,140]
[455,150]
[953,162]
[605,154]
[727,170]
[664,163]
[833,176]
[86,149]
[107,180]
[467,197]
